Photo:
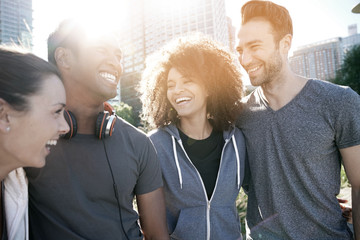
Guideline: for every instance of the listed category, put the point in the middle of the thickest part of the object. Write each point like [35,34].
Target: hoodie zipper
[203,186]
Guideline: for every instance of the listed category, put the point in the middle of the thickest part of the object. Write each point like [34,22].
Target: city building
[322,59]
[16,22]
[151,24]
[232,35]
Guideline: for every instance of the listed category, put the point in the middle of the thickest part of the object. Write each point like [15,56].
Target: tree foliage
[125,111]
[349,73]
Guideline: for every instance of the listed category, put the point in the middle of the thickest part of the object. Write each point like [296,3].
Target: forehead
[106,41]
[174,74]
[51,92]
[255,30]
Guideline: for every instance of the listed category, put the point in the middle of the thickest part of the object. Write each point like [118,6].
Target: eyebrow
[250,43]
[62,104]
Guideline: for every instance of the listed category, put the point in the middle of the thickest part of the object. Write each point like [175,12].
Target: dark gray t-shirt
[73,197]
[295,162]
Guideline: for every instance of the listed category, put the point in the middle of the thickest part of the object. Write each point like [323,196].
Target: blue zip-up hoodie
[190,215]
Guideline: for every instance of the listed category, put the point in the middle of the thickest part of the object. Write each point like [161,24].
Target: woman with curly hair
[190,92]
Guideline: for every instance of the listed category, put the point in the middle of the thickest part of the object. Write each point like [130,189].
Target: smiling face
[258,53]
[186,95]
[97,68]
[36,130]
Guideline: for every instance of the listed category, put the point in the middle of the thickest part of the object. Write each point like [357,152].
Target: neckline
[197,140]
[265,103]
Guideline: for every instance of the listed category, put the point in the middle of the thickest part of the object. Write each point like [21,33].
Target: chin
[39,163]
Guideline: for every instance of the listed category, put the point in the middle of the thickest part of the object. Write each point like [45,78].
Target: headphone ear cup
[110,125]
[101,122]
[71,120]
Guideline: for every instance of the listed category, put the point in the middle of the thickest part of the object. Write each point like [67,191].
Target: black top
[205,154]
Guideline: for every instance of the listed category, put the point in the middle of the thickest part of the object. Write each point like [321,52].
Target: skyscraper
[16,22]
[322,59]
[151,24]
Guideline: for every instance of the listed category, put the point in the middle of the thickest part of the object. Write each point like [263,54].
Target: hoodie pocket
[191,224]
[225,223]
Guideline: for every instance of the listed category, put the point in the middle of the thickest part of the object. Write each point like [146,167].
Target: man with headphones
[87,187]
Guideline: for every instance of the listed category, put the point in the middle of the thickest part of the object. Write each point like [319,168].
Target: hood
[175,137]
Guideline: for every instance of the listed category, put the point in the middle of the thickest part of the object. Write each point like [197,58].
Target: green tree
[125,111]
[349,73]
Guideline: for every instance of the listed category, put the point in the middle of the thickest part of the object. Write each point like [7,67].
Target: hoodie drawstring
[177,161]
[237,160]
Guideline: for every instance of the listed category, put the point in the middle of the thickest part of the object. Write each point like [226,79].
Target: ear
[285,44]
[4,116]
[63,58]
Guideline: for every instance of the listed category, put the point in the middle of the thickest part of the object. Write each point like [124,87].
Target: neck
[196,128]
[7,164]
[83,105]
[85,114]
[282,89]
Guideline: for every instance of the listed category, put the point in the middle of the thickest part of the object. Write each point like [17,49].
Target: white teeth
[182,99]
[253,69]
[51,142]
[108,76]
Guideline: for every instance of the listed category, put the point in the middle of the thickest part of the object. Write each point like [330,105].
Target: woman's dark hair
[21,75]
[195,56]
[277,15]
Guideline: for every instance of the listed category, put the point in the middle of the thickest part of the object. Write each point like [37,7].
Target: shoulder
[130,134]
[159,137]
[240,139]
[251,98]
[239,135]
[251,104]
[126,128]
[331,91]
[333,98]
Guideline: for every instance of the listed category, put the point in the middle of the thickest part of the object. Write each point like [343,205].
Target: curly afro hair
[199,57]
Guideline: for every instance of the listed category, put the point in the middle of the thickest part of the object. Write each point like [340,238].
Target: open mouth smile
[109,76]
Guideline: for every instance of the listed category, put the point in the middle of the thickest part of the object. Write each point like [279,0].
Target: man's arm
[351,160]
[152,214]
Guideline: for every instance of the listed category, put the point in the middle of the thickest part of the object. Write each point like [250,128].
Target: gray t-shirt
[73,197]
[295,162]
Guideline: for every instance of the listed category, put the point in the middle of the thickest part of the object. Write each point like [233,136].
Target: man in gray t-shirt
[87,188]
[298,132]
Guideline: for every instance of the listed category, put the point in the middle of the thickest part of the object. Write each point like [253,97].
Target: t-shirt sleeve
[347,121]
[150,177]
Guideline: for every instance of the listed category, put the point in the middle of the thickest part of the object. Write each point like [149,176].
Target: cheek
[168,95]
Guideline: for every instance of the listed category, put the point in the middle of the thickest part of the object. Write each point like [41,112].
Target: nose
[116,62]
[245,58]
[63,126]
[178,88]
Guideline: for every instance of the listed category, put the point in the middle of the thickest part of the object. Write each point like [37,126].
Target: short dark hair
[277,15]
[68,35]
[193,56]
[21,75]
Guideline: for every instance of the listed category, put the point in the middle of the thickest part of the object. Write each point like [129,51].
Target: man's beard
[273,67]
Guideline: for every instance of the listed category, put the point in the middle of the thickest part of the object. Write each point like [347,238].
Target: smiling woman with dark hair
[32,100]
[190,91]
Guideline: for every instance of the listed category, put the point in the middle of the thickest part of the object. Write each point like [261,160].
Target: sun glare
[101,17]
[97,17]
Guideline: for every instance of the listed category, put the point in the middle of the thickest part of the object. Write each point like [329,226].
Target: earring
[7,129]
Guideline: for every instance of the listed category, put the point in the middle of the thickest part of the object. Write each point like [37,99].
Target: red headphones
[104,123]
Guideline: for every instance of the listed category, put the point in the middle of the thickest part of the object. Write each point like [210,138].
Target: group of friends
[284,143]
